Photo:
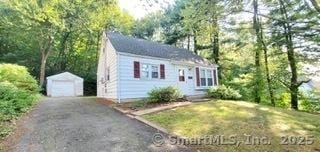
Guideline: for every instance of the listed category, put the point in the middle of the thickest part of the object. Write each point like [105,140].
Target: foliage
[73,28]
[310,101]
[223,92]
[147,27]
[284,101]
[165,94]
[222,32]
[19,77]
[5,129]
[243,46]
[14,101]
[18,91]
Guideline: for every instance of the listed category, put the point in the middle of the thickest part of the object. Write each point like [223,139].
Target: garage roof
[64,76]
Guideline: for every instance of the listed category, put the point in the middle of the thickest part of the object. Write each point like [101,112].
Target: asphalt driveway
[83,125]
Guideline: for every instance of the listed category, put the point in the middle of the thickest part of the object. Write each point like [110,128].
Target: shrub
[309,101]
[18,90]
[165,94]
[284,100]
[223,92]
[19,77]
[13,100]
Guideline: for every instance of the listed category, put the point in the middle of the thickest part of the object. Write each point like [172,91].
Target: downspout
[118,77]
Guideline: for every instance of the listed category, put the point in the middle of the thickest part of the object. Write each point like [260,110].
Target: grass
[240,118]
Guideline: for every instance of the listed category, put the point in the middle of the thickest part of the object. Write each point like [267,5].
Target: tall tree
[258,72]
[261,45]
[266,64]
[294,86]
[45,20]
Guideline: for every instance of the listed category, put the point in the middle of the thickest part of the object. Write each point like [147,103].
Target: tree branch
[203,47]
[302,82]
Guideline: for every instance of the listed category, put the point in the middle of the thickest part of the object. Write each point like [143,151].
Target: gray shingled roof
[147,48]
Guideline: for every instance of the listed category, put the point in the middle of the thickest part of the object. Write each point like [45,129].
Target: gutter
[194,64]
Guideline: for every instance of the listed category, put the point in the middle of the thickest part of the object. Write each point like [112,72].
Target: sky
[140,8]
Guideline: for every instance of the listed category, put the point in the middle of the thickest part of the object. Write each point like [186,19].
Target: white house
[64,85]
[129,68]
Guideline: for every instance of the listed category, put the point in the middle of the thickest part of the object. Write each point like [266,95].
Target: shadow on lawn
[243,119]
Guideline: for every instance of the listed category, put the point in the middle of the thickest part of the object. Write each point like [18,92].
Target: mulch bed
[132,106]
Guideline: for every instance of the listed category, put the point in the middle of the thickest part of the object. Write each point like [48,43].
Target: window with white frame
[181,75]
[149,71]
[203,79]
[145,71]
[154,71]
[206,78]
[209,77]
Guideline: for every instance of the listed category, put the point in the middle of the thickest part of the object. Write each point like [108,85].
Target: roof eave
[191,63]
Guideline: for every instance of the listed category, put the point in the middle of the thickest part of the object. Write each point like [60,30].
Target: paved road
[83,125]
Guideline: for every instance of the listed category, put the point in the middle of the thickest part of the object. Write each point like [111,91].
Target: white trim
[193,64]
[217,77]
[56,75]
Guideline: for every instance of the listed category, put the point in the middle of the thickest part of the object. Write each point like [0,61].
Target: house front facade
[129,68]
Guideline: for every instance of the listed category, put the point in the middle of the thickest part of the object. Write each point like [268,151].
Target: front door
[182,73]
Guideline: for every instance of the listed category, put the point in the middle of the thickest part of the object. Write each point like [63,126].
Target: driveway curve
[83,125]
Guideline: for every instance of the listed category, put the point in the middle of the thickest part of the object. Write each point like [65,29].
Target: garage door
[62,89]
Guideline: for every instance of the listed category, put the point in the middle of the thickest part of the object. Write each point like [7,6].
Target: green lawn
[239,118]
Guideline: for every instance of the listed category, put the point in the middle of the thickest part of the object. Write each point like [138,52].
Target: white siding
[131,87]
[108,58]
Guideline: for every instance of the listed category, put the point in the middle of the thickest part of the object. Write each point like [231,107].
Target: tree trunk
[294,87]
[266,62]
[45,49]
[258,76]
[195,42]
[98,47]
[44,57]
[62,58]
[216,45]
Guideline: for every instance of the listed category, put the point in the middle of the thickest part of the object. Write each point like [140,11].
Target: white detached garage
[64,85]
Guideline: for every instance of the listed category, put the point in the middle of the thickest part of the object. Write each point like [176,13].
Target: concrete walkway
[83,125]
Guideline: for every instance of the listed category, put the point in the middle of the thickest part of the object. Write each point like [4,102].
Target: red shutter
[162,71]
[136,69]
[198,76]
[215,77]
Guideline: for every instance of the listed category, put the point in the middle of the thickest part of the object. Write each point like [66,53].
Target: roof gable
[142,47]
[64,76]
